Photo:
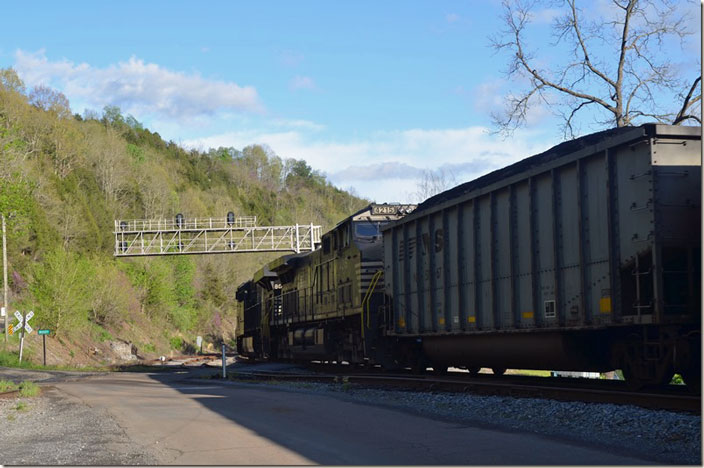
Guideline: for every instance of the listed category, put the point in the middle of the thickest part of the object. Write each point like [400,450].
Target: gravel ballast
[662,436]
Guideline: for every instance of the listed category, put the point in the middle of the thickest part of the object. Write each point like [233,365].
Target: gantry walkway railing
[182,236]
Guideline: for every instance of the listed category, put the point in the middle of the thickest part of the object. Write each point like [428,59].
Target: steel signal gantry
[181,236]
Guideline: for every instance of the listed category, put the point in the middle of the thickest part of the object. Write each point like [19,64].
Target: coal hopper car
[583,258]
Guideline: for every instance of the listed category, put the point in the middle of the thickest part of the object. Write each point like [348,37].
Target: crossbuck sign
[20,324]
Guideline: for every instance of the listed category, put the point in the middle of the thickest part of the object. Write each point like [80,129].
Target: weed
[7,386]
[104,336]
[346,386]
[677,380]
[29,389]
[21,406]
[10,417]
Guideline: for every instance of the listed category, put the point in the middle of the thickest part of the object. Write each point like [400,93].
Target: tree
[50,100]
[61,289]
[619,65]
[434,182]
[11,81]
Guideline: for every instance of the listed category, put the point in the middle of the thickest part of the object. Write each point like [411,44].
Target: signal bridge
[181,236]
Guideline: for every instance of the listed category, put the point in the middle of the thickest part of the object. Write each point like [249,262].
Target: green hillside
[65,178]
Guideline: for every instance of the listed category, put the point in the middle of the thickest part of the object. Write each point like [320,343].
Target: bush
[176,343]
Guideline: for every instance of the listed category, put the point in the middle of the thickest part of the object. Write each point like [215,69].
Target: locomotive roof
[381,212]
[553,153]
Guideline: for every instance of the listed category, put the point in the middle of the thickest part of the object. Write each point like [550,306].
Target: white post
[24,322]
[4,274]
[224,363]
[298,244]
[312,244]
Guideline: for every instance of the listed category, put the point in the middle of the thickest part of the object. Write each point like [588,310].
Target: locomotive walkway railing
[181,236]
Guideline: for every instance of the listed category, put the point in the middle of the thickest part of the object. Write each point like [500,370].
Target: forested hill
[65,178]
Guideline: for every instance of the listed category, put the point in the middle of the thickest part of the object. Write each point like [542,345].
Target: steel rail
[552,388]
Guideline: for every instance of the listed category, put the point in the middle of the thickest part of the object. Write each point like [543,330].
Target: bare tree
[618,64]
[434,182]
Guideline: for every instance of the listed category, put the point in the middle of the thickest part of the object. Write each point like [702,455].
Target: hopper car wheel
[692,374]
[442,370]
[498,370]
[640,372]
[474,370]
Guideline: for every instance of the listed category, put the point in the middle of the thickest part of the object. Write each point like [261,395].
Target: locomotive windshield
[367,229]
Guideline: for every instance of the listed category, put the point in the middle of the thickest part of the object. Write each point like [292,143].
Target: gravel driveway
[56,429]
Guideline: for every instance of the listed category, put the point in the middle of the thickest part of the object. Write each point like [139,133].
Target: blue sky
[370,93]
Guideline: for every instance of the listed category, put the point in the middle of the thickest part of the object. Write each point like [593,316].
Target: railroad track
[672,398]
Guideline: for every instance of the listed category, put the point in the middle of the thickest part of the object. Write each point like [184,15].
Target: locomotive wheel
[442,370]
[498,370]
[473,370]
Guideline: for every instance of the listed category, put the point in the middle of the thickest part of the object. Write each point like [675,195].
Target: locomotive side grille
[365,272]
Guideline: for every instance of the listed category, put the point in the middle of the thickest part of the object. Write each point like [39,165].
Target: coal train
[586,257]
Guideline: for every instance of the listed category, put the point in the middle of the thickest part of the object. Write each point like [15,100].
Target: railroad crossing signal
[23,323]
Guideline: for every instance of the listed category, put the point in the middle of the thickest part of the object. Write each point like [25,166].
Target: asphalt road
[186,422]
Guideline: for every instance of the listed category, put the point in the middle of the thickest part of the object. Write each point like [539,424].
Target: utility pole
[4,274]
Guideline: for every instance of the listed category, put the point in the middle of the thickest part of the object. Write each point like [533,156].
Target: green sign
[44,332]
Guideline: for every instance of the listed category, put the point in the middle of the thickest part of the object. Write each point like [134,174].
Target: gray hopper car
[585,257]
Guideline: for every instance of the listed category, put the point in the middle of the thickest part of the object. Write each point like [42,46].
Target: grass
[21,406]
[11,359]
[29,389]
[26,388]
[7,386]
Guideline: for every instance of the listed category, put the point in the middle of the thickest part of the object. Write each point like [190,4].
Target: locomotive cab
[323,305]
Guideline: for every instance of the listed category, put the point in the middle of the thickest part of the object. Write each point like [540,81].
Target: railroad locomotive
[586,257]
[323,304]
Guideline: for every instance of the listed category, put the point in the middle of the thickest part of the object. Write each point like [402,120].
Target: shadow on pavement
[334,431]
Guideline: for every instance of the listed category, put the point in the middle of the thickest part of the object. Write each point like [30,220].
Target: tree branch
[583,46]
[688,101]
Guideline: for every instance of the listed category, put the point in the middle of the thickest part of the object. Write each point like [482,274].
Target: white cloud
[452,17]
[291,58]
[490,98]
[387,166]
[302,82]
[137,87]
[297,123]
[545,15]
